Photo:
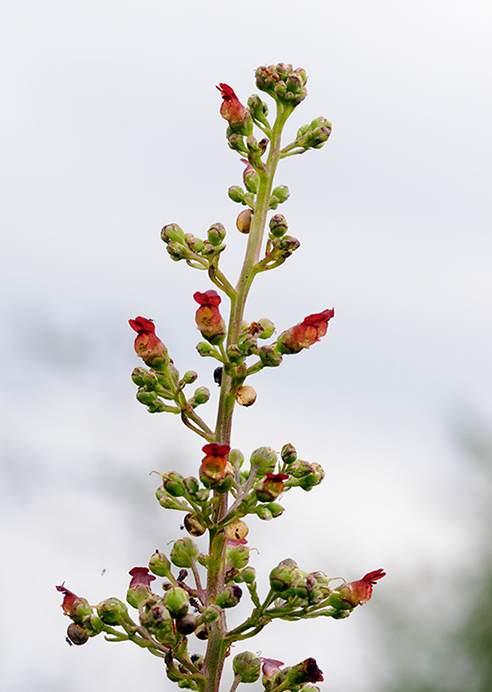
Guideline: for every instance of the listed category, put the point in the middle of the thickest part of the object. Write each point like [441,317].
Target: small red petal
[142,324]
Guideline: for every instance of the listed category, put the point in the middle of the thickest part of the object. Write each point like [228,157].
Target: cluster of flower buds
[162,382]
[294,678]
[310,136]
[286,85]
[296,588]
[198,253]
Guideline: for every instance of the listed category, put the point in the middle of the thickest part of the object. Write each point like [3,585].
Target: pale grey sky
[110,129]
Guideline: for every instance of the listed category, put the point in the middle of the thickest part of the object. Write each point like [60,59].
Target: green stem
[217,639]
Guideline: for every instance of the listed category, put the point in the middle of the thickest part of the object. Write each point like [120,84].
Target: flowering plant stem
[226,491]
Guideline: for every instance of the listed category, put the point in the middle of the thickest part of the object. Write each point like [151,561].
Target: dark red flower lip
[142,324]
[210,297]
[226,92]
[140,576]
[372,577]
[319,317]
[216,450]
[277,476]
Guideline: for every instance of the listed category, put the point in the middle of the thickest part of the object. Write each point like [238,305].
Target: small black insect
[68,641]
[218,375]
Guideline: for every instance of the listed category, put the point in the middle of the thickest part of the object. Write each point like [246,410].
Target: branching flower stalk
[193,605]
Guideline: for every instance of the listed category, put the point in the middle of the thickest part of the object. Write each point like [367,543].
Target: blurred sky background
[110,130]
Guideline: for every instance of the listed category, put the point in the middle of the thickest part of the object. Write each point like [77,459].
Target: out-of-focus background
[110,129]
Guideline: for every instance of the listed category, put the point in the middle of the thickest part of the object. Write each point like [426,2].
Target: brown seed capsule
[77,634]
[193,525]
[237,530]
[245,395]
[186,624]
[243,221]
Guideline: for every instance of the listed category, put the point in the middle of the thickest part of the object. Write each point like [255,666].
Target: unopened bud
[184,552]
[284,575]
[246,396]
[236,193]
[205,349]
[267,328]
[248,575]
[229,597]
[173,233]
[173,483]
[281,192]
[112,611]
[247,666]
[190,376]
[263,513]
[236,458]
[195,244]
[275,509]
[216,234]
[269,356]
[177,601]
[238,556]
[160,565]
[201,396]
[288,453]
[265,458]
[243,221]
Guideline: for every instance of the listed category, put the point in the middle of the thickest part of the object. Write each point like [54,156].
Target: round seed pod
[243,221]
[77,634]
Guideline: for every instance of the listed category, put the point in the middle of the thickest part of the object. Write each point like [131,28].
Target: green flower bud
[288,453]
[263,513]
[267,328]
[177,601]
[258,109]
[146,398]
[247,666]
[313,478]
[265,458]
[201,396]
[236,193]
[191,485]
[205,349]
[173,483]
[281,193]
[210,614]
[236,142]
[216,234]
[189,377]
[248,575]
[223,485]
[168,502]
[160,565]
[195,244]
[238,556]
[112,611]
[186,624]
[77,634]
[143,378]
[229,597]
[284,575]
[184,552]
[155,617]
[173,233]
[269,357]
[234,353]
[300,468]
[275,509]
[236,458]
[179,252]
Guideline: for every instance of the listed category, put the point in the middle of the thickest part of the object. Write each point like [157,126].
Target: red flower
[271,666]
[271,486]
[359,592]
[140,577]
[74,606]
[147,345]
[214,464]
[306,333]
[208,318]
[231,108]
